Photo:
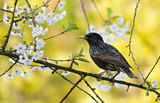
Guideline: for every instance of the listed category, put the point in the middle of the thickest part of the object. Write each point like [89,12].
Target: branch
[47,64]
[57,34]
[72,88]
[9,31]
[82,5]
[151,69]
[34,23]
[93,90]
[9,69]
[77,87]
[130,40]
[6,10]
[56,6]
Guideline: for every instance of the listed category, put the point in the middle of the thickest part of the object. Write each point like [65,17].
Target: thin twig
[77,87]
[98,10]
[82,77]
[57,34]
[93,90]
[9,69]
[10,28]
[6,10]
[33,20]
[82,5]
[56,6]
[151,69]
[57,60]
[130,40]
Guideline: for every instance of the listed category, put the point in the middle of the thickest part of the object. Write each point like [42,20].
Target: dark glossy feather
[106,56]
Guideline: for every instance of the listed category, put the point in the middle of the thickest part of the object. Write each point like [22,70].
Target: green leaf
[109,11]
[83,60]
[10,48]
[72,26]
[81,51]
[115,17]
[76,63]
[24,42]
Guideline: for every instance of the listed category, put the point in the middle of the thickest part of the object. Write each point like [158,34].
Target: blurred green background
[43,87]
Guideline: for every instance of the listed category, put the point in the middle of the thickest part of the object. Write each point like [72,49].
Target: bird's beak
[82,37]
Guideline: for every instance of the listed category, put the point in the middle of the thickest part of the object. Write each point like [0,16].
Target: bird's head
[93,38]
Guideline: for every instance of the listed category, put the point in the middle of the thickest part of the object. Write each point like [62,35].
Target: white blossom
[36,31]
[37,55]
[61,5]
[25,60]
[40,18]
[5,6]
[20,48]
[6,19]
[8,76]
[16,26]
[120,21]
[24,74]
[39,43]
[17,72]
[102,87]
[11,60]
[155,83]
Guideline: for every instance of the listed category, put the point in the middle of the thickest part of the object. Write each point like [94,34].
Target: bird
[106,56]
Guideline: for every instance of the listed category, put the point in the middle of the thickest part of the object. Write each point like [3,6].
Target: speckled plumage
[106,56]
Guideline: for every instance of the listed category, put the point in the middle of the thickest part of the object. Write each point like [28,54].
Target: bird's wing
[113,56]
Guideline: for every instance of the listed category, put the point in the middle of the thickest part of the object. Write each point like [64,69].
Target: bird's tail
[129,73]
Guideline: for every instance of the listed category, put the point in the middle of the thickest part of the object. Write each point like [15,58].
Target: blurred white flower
[32,69]
[11,60]
[40,18]
[17,72]
[24,74]
[105,34]
[5,6]
[102,87]
[6,19]
[39,43]
[120,21]
[16,26]
[37,55]
[20,48]
[65,73]
[61,5]
[36,31]
[91,28]
[155,83]
[25,60]
[8,76]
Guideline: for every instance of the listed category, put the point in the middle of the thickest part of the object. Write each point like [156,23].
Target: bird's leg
[100,74]
[115,76]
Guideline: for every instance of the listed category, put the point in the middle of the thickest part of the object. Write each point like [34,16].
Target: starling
[106,56]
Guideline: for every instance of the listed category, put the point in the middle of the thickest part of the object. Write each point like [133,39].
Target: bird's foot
[100,75]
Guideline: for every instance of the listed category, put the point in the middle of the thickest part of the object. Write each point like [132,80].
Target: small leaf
[109,11]
[10,48]
[76,63]
[81,51]
[24,42]
[73,26]
[83,60]
[115,17]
